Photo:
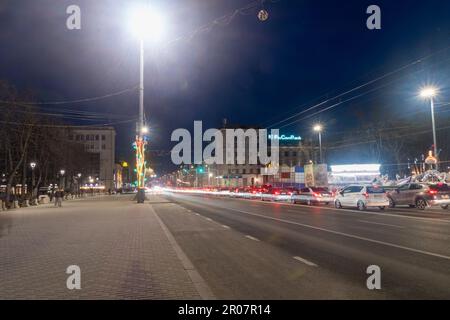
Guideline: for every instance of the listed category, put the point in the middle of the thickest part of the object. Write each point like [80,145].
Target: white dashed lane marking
[382,224]
[251,238]
[309,263]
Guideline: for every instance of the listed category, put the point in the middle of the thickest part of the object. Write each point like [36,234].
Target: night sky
[250,72]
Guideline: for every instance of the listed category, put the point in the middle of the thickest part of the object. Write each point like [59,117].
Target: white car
[313,195]
[362,197]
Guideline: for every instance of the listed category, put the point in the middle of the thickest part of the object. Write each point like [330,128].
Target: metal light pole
[32,165]
[78,183]
[145,23]
[62,182]
[429,93]
[318,128]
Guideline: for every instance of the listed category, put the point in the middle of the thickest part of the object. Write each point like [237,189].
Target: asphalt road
[247,249]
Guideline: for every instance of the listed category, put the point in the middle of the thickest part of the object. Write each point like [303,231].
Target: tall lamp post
[78,183]
[32,165]
[145,23]
[430,93]
[62,182]
[318,128]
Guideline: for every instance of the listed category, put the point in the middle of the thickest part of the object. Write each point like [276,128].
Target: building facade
[100,143]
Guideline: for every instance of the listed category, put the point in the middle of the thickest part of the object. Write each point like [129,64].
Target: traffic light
[200,170]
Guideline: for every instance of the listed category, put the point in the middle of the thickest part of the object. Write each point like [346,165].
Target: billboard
[316,175]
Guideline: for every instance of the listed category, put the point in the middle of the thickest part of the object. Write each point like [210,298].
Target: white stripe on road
[251,238]
[209,219]
[347,235]
[226,227]
[383,224]
[309,263]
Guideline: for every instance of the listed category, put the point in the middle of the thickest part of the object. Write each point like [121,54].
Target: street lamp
[430,93]
[32,165]
[318,128]
[145,24]
[62,182]
[79,184]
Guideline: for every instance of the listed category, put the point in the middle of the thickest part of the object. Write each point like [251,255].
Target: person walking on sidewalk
[59,194]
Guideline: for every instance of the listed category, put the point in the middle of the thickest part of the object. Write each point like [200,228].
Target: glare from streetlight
[146,23]
[62,172]
[144,130]
[317,128]
[428,92]
[33,165]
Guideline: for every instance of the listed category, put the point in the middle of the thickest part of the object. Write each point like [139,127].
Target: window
[286,153]
[70,136]
[103,137]
[375,190]
[87,137]
[294,153]
[77,137]
[356,189]
[97,137]
[103,146]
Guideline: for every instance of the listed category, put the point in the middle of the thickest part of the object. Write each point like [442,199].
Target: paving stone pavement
[120,247]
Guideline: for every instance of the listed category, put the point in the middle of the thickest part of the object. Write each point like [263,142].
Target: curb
[200,284]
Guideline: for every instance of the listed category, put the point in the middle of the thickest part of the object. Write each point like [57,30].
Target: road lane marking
[226,227]
[383,224]
[209,219]
[348,235]
[309,263]
[251,238]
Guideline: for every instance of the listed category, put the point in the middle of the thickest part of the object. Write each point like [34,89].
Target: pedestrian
[59,194]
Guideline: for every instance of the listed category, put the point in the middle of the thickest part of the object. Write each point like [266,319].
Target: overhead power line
[109,95]
[417,61]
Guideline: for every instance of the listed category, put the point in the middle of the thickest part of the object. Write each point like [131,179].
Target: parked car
[275,194]
[313,195]
[362,197]
[420,195]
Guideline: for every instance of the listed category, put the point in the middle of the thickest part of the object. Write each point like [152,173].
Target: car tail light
[365,194]
[316,195]
[277,193]
[432,191]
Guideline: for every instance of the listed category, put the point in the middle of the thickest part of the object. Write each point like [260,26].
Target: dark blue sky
[250,72]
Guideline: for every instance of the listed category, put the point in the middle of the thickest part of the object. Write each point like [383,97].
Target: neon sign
[284,137]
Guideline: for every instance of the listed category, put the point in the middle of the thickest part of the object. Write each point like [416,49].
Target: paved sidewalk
[120,246]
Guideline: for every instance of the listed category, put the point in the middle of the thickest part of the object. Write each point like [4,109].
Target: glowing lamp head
[146,23]
[317,128]
[144,130]
[62,172]
[33,165]
[428,92]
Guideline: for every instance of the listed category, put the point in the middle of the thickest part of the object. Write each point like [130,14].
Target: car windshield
[320,189]
[375,190]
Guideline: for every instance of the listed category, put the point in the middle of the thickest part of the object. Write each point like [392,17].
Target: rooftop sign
[284,137]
